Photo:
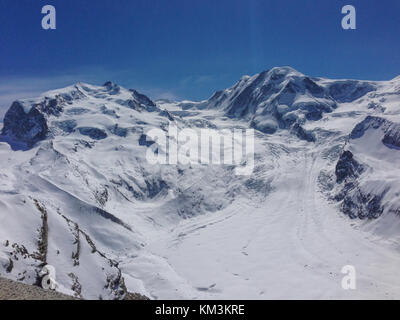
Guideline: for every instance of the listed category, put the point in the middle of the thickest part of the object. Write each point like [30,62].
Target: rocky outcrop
[390,131]
[280,98]
[28,122]
[12,290]
[142,99]
[302,134]
[94,133]
[26,127]
[349,90]
[362,193]
[347,168]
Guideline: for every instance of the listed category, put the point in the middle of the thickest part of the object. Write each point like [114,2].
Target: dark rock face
[315,111]
[272,100]
[109,112]
[314,114]
[52,107]
[77,111]
[142,99]
[28,127]
[117,130]
[349,90]
[67,126]
[28,124]
[347,167]
[112,88]
[357,204]
[217,98]
[392,139]
[302,134]
[264,127]
[390,130]
[155,187]
[94,133]
[143,104]
[144,142]
[360,199]
[167,114]
[362,127]
[312,87]
[134,105]
[240,103]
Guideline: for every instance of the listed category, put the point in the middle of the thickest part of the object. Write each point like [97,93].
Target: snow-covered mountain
[77,192]
[283,98]
[368,169]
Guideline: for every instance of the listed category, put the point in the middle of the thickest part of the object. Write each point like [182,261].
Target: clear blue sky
[188,48]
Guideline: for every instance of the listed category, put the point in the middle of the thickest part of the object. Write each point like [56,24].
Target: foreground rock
[12,290]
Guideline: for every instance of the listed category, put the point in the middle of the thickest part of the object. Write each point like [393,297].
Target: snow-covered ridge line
[28,121]
[280,98]
[369,190]
[186,231]
[283,98]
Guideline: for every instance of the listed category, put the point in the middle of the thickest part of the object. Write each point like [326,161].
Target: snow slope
[77,192]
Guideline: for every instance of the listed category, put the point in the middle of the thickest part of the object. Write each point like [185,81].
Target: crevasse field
[77,192]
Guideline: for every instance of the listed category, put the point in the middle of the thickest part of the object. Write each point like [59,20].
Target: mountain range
[77,193]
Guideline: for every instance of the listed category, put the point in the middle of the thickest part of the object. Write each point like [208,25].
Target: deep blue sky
[188,48]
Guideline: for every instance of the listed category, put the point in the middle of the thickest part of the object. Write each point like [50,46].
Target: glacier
[77,193]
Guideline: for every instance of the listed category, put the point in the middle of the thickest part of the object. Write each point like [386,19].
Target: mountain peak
[95,111]
[284,69]
[277,98]
[110,84]
[280,73]
[396,78]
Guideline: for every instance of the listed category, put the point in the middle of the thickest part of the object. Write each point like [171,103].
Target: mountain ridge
[77,192]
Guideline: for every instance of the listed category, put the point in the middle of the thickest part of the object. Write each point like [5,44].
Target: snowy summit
[77,193]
